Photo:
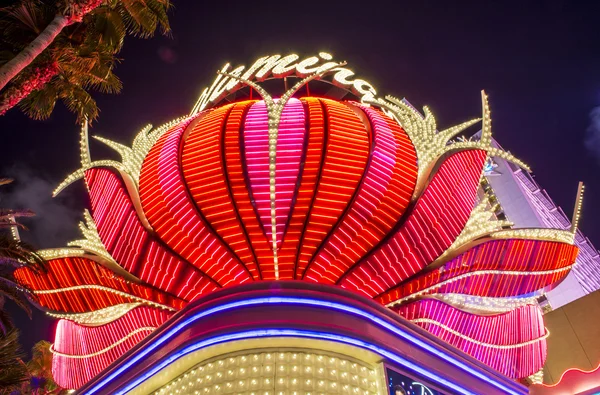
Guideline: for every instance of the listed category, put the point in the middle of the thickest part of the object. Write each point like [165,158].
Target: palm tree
[13,372]
[39,369]
[13,254]
[75,71]
[79,57]
[72,12]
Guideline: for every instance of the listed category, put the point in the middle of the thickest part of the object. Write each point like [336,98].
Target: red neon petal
[203,165]
[380,201]
[174,217]
[72,272]
[437,219]
[528,256]
[130,244]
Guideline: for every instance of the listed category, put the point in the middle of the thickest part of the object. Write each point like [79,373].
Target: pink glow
[518,326]
[74,339]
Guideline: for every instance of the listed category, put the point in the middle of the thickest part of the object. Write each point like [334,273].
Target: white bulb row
[274,373]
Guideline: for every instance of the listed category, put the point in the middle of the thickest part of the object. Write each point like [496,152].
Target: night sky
[539,61]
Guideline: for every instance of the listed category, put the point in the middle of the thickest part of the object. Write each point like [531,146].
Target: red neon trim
[346,156]
[437,219]
[528,256]
[70,272]
[174,217]
[203,166]
[569,371]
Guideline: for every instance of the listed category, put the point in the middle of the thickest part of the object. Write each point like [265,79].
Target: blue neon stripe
[301,301]
[296,333]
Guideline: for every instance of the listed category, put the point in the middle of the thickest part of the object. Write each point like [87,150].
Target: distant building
[528,205]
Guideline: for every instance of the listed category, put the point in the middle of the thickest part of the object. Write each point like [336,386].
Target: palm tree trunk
[37,78]
[37,46]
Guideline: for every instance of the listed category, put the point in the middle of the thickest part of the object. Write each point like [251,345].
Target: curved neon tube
[260,333]
[477,273]
[99,352]
[470,339]
[102,288]
[562,376]
[301,301]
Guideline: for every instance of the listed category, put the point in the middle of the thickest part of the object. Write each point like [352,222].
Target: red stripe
[204,171]
[437,219]
[346,155]
[173,215]
[131,245]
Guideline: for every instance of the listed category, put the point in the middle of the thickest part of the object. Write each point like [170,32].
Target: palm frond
[41,359]
[29,14]
[160,9]
[80,102]
[13,372]
[8,217]
[84,54]
[20,251]
[6,323]
[9,289]
[40,104]
[143,17]
[109,28]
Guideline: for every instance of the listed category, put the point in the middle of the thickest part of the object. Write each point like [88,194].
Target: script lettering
[279,67]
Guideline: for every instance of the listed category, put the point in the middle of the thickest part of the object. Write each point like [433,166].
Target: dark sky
[538,60]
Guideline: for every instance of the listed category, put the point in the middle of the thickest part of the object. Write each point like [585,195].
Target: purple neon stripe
[302,301]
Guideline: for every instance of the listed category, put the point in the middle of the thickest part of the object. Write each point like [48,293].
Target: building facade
[292,214]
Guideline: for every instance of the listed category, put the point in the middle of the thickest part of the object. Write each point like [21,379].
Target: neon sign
[276,66]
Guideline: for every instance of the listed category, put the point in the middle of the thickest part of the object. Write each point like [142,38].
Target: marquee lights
[91,242]
[577,210]
[361,194]
[257,372]
[479,273]
[55,253]
[98,317]
[479,304]
[102,288]
[431,144]
[106,349]
[418,342]
[564,236]
[482,222]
